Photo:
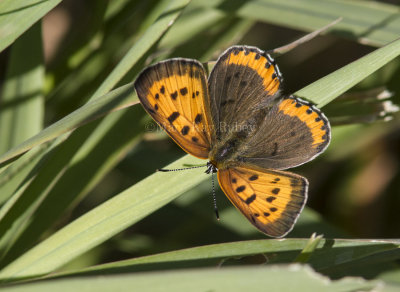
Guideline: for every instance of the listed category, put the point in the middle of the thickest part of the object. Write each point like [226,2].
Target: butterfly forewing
[174,92]
[242,80]
[271,200]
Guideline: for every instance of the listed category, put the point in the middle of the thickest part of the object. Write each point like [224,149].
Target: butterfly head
[211,168]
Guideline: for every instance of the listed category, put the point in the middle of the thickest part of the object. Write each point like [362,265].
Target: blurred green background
[354,186]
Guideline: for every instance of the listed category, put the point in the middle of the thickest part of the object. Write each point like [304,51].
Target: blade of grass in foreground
[157,190]
[22,107]
[326,253]
[250,278]
[117,99]
[17,16]
[369,22]
[151,36]
[331,86]
[105,221]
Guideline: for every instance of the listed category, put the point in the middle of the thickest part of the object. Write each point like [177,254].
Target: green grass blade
[104,221]
[117,99]
[15,185]
[22,108]
[17,16]
[326,253]
[82,168]
[19,174]
[143,45]
[331,86]
[270,278]
[308,250]
[369,22]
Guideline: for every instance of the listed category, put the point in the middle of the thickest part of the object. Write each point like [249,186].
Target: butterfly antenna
[179,169]
[214,196]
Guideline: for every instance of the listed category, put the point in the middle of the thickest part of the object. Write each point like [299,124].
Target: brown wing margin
[174,92]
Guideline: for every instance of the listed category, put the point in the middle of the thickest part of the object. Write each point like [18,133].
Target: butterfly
[248,131]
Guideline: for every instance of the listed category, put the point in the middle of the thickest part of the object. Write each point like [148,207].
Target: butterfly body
[239,122]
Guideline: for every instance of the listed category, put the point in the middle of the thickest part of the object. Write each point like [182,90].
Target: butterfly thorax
[225,153]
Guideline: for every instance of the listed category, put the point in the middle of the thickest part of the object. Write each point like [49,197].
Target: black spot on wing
[276,191]
[173,117]
[250,199]
[174,95]
[183,90]
[185,130]
[198,119]
[253,177]
[240,189]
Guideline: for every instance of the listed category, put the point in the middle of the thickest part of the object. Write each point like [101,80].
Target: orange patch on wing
[173,94]
[258,63]
[262,189]
[168,104]
[311,118]
[271,200]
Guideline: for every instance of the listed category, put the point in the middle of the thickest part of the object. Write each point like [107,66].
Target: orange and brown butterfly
[239,122]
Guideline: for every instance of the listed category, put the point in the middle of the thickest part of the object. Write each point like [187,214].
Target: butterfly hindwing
[243,79]
[174,92]
[292,133]
[271,200]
